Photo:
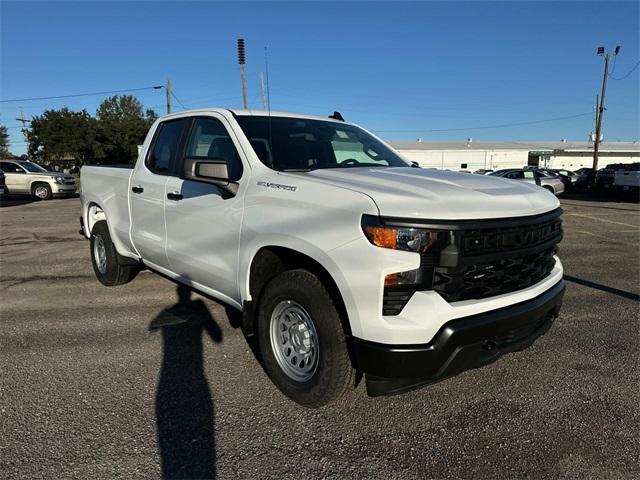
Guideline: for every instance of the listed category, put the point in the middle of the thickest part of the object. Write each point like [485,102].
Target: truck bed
[108,186]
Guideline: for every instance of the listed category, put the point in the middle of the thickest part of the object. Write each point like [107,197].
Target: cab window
[209,139]
[164,150]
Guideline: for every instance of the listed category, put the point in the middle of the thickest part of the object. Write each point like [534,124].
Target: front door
[147,192]
[203,221]
[15,177]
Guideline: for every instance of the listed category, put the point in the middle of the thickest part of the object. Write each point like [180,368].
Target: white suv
[24,177]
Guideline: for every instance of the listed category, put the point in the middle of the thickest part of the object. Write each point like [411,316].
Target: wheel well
[550,188]
[38,182]
[94,214]
[269,262]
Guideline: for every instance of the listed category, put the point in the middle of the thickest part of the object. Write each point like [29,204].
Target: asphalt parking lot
[90,388]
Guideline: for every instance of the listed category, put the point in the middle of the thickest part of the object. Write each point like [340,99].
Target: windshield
[296,144]
[32,167]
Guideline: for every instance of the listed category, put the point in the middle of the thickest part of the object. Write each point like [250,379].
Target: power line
[157,87]
[625,76]
[178,100]
[503,125]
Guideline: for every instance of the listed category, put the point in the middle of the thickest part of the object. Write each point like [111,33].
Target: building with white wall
[472,155]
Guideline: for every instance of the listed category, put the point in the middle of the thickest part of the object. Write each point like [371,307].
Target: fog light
[399,279]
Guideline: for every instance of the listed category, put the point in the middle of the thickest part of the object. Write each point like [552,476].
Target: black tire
[550,189]
[333,374]
[41,187]
[114,272]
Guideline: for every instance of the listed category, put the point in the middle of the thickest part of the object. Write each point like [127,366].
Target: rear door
[203,221]
[147,196]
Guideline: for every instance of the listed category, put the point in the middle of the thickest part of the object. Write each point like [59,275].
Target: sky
[433,70]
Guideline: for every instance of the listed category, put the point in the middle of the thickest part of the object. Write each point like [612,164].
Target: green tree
[60,134]
[4,143]
[122,126]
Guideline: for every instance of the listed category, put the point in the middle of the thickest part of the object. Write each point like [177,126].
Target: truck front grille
[492,257]
[482,280]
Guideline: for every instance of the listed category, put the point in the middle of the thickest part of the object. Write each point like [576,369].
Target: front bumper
[61,189]
[461,344]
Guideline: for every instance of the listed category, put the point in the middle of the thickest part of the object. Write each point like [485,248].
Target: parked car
[627,181]
[552,183]
[483,171]
[568,177]
[341,255]
[586,179]
[604,176]
[24,177]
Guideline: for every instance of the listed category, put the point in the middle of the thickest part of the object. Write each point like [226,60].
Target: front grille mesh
[493,278]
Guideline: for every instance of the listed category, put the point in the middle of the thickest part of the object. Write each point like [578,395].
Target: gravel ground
[91,388]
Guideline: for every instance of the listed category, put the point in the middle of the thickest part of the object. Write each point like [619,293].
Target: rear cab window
[164,150]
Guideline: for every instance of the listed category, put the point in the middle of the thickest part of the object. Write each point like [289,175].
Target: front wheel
[104,258]
[302,340]
[41,191]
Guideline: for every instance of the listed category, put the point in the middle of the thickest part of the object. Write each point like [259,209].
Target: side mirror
[210,170]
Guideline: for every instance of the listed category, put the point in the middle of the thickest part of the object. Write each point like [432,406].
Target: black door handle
[137,189]
[174,196]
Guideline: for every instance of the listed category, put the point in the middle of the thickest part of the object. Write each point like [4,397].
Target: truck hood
[440,194]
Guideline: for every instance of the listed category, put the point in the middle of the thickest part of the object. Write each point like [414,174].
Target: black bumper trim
[461,344]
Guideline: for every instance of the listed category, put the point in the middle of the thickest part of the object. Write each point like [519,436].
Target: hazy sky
[401,69]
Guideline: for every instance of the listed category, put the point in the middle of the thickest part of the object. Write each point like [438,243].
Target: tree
[122,126]
[60,134]
[4,143]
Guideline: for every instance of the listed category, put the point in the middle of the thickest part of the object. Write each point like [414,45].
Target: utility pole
[262,91]
[24,122]
[600,111]
[241,62]
[168,92]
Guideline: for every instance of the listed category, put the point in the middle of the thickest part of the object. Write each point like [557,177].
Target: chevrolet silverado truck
[28,178]
[346,261]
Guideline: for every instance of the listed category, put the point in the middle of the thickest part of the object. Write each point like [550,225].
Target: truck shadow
[184,404]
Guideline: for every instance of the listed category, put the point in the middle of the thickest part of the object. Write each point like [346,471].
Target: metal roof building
[472,155]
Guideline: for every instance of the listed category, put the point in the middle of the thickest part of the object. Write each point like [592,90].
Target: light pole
[241,62]
[596,145]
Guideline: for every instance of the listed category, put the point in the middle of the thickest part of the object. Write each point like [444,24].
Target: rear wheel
[105,259]
[550,189]
[41,191]
[302,340]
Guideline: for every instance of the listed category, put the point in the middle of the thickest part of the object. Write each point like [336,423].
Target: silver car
[546,180]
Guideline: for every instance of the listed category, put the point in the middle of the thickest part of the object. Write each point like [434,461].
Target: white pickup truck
[627,180]
[341,255]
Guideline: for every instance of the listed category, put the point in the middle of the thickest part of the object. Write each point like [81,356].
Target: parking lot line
[600,219]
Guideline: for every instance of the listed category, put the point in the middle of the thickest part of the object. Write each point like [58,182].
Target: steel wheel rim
[100,254]
[41,192]
[294,340]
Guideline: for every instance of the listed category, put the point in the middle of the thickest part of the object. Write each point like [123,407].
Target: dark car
[568,177]
[586,179]
[3,185]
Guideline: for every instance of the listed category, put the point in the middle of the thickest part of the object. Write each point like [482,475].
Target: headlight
[399,238]
[59,180]
[418,240]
